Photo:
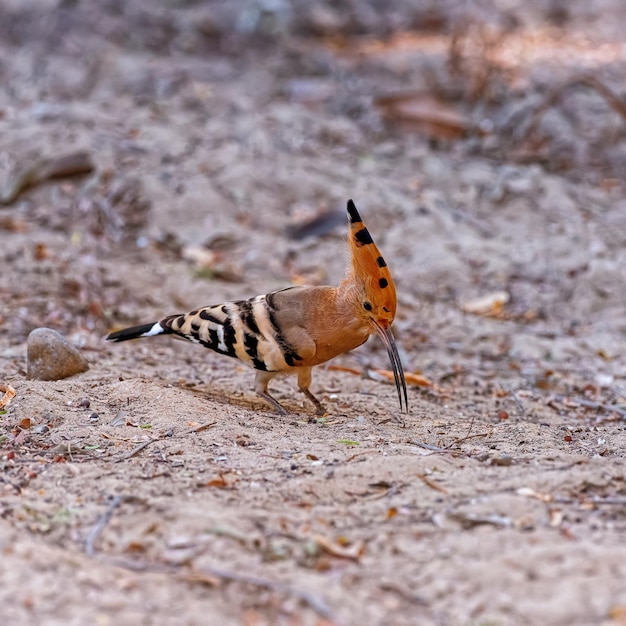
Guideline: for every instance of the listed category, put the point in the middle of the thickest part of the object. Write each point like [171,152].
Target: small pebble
[51,357]
[40,429]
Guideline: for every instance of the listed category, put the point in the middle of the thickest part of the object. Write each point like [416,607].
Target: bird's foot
[275,403]
[320,408]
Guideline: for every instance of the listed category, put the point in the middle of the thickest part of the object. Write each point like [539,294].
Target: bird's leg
[260,386]
[275,403]
[304,381]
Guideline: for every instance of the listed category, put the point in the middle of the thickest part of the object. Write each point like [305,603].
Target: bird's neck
[347,308]
[347,296]
[335,323]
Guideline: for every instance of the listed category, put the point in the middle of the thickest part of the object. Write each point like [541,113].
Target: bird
[292,330]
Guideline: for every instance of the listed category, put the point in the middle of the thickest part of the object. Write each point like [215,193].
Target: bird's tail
[145,330]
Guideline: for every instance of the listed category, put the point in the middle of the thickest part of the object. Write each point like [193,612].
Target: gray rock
[51,357]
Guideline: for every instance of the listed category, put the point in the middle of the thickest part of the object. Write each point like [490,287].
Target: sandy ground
[156,488]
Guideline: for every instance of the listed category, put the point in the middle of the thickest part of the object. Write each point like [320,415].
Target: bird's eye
[367,306]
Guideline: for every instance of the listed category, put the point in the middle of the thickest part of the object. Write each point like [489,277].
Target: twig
[467,436]
[136,450]
[431,483]
[197,429]
[426,446]
[403,593]
[46,169]
[145,444]
[104,519]
[613,100]
[590,404]
[462,439]
[615,500]
[137,566]
[600,405]
[391,491]
[519,403]
[354,456]
[314,602]
[318,605]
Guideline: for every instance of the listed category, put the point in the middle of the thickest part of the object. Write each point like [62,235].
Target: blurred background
[159,156]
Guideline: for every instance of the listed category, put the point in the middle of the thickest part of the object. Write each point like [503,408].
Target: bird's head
[375,291]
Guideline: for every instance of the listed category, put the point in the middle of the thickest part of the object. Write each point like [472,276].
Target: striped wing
[246,330]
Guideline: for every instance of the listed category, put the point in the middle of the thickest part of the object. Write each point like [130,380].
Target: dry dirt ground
[155,488]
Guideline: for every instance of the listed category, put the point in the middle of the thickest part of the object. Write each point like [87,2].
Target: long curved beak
[396,365]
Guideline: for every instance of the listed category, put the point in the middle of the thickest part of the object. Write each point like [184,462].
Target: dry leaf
[423,113]
[491,305]
[199,576]
[219,482]
[411,378]
[199,256]
[556,517]
[431,483]
[531,493]
[341,368]
[136,546]
[9,394]
[40,252]
[353,553]
[13,225]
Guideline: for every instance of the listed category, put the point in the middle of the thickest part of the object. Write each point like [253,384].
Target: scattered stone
[51,357]
[503,460]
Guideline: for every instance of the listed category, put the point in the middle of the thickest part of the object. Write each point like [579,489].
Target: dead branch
[213,575]
[73,164]
[432,484]
[617,501]
[136,450]
[316,603]
[612,99]
[467,436]
[145,444]
[200,428]
[599,406]
[102,522]
[426,446]
[462,439]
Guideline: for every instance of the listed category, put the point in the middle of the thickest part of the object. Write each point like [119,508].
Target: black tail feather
[133,333]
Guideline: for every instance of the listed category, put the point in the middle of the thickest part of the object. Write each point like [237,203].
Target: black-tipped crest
[353,214]
[370,269]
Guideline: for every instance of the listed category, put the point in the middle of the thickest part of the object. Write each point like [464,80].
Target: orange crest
[369,267]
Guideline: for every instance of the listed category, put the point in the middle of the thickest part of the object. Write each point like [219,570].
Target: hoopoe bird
[292,330]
